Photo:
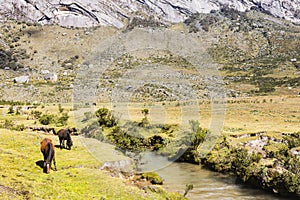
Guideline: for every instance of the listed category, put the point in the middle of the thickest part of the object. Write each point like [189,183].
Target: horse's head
[72,130]
[47,168]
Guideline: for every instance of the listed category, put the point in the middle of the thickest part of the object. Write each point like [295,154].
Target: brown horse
[65,134]
[47,148]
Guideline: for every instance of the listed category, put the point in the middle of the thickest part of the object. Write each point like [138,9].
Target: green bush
[63,120]
[11,110]
[19,127]
[153,177]
[126,141]
[46,119]
[256,157]
[191,142]
[36,114]
[276,150]
[293,140]
[18,110]
[8,123]
[106,118]
[240,160]
[60,108]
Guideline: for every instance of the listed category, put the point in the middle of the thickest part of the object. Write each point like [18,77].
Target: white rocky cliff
[81,13]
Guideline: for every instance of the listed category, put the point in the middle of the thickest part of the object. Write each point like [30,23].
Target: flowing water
[206,184]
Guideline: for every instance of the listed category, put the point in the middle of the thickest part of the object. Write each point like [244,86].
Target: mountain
[255,52]
[86,13]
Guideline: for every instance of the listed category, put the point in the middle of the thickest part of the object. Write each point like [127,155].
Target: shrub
[196,137]
[8,123]
[36,114]
[192,140]
[46,119]
[62,121]
[60,108]
[126,141]
[256,157]
[153,177]
[11,110]
[276,150]
[105,117]
[145,120]
[19,127]
[293,140]
[18,110]
[240,161]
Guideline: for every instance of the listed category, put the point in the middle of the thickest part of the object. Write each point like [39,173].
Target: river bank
[265,160]
[260,160]
[209,185]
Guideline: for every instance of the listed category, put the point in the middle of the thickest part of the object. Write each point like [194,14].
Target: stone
[293,60]
[21,79]
[50,77]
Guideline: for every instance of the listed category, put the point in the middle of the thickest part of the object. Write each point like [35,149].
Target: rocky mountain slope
[256,54]
[86,13]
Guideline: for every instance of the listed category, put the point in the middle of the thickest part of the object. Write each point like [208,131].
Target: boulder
[21,79]
[50,77]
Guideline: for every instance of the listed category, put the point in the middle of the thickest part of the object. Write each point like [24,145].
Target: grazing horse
[65,134]
[47,148]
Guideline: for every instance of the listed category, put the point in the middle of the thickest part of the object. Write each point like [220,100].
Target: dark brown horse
[65,134]
[47,148]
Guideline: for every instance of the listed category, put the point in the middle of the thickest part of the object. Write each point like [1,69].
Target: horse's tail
[69,140]
[51,152]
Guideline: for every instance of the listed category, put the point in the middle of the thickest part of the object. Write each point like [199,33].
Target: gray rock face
[86,13]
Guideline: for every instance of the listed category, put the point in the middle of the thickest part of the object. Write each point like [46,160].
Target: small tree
[60,108]
[18,110]
[46,119]
[11,110]
[8,123]
[145,112]
[36,114]
[105,117]
[145,120]
[62,121]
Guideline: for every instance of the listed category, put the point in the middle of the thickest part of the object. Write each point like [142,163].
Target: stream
[206,184]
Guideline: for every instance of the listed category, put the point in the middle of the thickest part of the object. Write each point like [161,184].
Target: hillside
[255,54]
[78,13]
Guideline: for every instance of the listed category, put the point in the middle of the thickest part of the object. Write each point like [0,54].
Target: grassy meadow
[78,174]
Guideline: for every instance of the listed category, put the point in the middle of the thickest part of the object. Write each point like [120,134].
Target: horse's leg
[60,141]
[45,158]
[54,163]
